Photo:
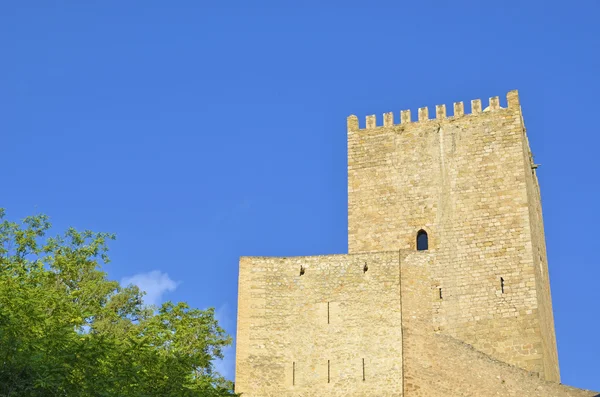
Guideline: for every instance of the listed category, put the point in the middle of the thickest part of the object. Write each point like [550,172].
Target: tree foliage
[66,330]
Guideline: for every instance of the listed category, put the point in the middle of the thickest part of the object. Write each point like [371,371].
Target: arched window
[422,241]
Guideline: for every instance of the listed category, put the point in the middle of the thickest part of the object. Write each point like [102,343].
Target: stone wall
[336,330]
[464,180]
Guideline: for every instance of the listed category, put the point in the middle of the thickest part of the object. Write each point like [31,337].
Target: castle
[445,289]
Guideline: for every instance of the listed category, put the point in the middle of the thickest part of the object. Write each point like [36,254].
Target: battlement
[440,113]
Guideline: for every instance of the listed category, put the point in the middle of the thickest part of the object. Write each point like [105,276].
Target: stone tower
[467,312]
[470,183]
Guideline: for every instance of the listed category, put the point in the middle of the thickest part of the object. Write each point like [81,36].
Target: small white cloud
[154,283]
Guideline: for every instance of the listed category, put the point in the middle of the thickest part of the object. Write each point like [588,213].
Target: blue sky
[200,131]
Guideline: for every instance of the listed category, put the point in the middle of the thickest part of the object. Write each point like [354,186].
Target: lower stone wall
[362,325]
[319,326]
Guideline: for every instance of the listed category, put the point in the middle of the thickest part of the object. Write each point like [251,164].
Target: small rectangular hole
[294,373]
[502,284]
[363,369]
[328,372]
[327,312]
[440,293]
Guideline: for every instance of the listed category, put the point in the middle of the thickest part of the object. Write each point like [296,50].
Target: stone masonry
[469,316]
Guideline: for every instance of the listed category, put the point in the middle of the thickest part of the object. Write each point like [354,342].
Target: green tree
[66,330]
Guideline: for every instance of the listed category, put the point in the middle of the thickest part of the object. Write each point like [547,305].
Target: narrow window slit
[502,284]
[328,371]
[440,290]
[327,312]
[365,268]
[294,373]
[363,369]
[301,270]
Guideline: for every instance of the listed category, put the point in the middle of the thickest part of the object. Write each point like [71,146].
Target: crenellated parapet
[440,112]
